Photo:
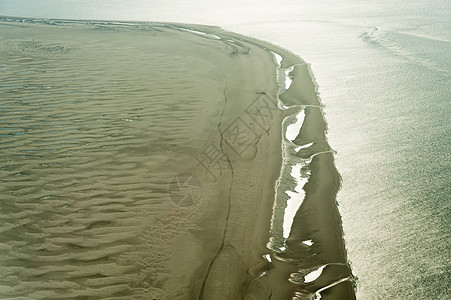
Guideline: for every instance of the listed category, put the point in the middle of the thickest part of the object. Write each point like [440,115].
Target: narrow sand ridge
[162,161]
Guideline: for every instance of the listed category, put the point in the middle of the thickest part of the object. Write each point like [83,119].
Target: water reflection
[307,238]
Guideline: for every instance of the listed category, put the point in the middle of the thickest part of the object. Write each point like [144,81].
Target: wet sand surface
[154,161]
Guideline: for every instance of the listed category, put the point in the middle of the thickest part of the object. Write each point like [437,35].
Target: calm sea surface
[383,71]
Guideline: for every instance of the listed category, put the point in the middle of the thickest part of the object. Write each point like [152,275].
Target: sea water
[383,73]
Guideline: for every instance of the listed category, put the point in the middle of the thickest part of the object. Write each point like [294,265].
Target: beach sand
[150,161]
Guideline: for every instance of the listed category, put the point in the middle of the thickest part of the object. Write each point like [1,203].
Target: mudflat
[153,161]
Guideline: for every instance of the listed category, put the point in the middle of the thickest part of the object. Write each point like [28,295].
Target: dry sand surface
[150,161]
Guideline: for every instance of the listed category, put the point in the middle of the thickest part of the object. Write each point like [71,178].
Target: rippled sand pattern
[83,151]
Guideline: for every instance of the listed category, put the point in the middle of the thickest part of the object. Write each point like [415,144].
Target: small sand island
[163,161]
